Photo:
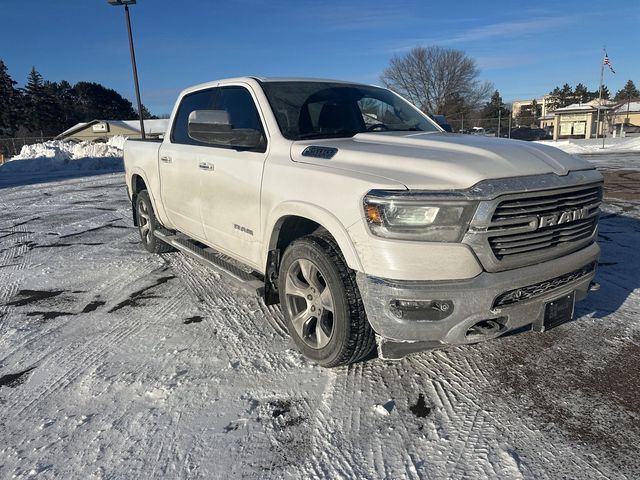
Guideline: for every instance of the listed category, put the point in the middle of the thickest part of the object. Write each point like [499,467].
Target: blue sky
[524,48]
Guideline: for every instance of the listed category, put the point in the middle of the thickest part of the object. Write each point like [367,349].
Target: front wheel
[321,303]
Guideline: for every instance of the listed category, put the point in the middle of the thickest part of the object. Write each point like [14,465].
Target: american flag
[608,63]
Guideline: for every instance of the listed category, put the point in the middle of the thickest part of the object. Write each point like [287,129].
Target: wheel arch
[139,182]
[290,221]
[293,220]
[137,185]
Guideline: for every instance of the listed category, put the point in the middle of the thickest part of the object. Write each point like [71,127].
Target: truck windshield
[306,110]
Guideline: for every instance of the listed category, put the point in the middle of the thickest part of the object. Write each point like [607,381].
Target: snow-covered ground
[115,363]
[618,154]
[594,146]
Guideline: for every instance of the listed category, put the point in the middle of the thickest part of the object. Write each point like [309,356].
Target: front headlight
[412,217]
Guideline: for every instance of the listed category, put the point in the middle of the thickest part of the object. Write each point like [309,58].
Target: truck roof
[213,83]
[302,79]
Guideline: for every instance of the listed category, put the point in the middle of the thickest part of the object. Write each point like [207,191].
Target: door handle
[205,166]
[165,159]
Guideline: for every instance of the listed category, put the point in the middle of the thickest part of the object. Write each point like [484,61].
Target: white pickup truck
[363,219]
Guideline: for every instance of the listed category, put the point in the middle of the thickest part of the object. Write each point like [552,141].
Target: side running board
[250,281]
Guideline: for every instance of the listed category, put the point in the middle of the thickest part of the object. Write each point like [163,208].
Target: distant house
[626,117]
[580,120]
[543,102]
[104,129]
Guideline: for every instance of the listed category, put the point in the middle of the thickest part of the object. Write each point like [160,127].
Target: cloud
[500,30]
[498,62]
[348,17]
[508,29]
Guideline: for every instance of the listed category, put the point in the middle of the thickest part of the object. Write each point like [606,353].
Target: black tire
[337,331]
[147,225]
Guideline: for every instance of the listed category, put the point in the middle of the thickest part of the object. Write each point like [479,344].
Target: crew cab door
[180,169]
[231,177]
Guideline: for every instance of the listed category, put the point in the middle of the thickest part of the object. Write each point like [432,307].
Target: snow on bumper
[454,307]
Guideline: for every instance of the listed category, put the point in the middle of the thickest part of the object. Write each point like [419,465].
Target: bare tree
[438,80]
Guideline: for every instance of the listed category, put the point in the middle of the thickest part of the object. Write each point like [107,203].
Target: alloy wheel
[309,303]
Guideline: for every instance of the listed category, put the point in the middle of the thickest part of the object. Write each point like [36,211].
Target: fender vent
[319,152]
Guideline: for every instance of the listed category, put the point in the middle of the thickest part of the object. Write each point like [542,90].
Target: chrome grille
[541,205]
[514,230]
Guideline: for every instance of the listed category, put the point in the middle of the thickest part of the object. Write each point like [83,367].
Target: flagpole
[600,97]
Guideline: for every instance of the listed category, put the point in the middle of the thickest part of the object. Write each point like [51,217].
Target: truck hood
[438,161]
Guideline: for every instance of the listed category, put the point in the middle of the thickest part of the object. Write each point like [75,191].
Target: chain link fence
[505,127]
[492,127]
[10,147]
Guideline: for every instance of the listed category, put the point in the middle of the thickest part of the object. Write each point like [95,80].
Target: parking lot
[116,363]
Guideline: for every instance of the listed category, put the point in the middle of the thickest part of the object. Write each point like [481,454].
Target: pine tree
[9,103]
[146,114]
[529,114]
[53,115]
[67,104]
[34,91]
[561,97]
[48,108]
[495,107]
[628,92]
[41,108]
[566,95]
[97,102]
[581,93]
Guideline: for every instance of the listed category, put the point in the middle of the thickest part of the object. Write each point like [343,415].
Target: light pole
[126,4]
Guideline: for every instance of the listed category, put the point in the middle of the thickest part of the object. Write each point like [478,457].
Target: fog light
[421,309]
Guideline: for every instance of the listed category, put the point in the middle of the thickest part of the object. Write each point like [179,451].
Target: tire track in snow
[464,417]
[116,426]
[84,357]
[453,383]
[355,439]
[254,345]
[236,324]
[240,336]
[274,316]
[332,458]
[125,418]
[67,359]
[15,259]
[456,378]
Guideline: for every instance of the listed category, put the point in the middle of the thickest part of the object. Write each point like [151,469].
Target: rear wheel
[147,225]
[321,303]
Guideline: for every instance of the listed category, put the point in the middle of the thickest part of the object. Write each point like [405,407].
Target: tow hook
[484,329]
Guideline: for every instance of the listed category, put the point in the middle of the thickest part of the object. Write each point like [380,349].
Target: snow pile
[57,155]
[117,141]
[592,146]
[71,151]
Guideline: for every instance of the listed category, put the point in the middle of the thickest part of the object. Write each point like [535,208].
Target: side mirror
[214,128]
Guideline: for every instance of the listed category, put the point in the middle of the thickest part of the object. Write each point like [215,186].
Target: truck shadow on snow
[10,179]
[619,265]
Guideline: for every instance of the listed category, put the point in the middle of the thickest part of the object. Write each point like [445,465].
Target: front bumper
[473,301]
